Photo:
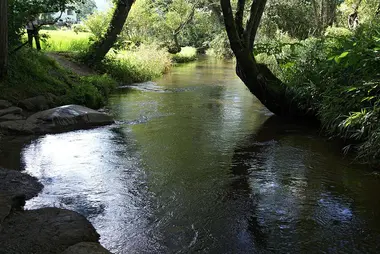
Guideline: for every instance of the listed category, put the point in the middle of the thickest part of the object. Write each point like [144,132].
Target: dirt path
[77,68]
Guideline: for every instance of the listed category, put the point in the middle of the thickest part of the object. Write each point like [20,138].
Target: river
[196,164]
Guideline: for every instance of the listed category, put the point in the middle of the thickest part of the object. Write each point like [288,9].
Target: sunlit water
[194,165]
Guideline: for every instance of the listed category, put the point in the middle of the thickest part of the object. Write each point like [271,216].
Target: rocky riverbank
[46,230]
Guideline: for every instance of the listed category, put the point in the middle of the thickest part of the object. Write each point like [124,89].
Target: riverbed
[195,163]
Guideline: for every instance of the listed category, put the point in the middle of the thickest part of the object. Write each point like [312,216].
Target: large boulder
[46,230]
[59,119]
[14,182]
[86,248]
[5,104]
[15,188]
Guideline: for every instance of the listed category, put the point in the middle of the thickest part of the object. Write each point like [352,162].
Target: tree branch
[51,22]
[235,41]
[187,21]
[256,12]
[239,17]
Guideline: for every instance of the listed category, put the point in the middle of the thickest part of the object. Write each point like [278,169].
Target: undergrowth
[32,73]
[339,77]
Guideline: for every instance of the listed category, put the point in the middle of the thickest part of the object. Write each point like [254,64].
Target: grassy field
[65,40]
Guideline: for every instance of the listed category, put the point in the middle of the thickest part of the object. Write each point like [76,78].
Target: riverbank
[33,73]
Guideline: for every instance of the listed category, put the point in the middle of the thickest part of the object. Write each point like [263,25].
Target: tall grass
[138,65]
[65,41]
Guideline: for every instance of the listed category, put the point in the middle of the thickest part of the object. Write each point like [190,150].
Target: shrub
[80,28]
[187,54]
[339,76]
[98,23]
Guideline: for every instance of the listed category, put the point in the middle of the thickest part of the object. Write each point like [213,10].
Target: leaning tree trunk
[257,77]
[3,37]
[100,48]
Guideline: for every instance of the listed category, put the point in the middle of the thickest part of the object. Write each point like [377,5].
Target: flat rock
[19,127]
[56,120]
[11,117]
[15,182]
[11,110]
[5,104]
[46,230]
[35,104]
[68,118]
[86,248]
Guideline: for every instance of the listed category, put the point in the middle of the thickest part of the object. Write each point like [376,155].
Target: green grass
[32,73]
[65,41]
[187,54]
[128,66]
[141,64]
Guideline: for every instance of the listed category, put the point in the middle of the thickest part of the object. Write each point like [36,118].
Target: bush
[338,76]
[187,54]
[98,23]
[141,64]
[80,28]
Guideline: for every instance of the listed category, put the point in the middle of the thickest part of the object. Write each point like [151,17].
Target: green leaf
[344,54]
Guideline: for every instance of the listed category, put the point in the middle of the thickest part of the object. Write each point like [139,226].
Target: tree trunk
[3,37]
[176,48]
[257,77]
[100,48]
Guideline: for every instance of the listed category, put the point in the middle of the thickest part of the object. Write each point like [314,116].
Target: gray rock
[11,117]
[15,188]
[56,120]
[11,110]
[5,104]
[67,118]
[14,183]
[5,207]
[35,103]
[19,127]
[47,230]
[86,248]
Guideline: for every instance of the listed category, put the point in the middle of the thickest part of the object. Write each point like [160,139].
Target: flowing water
[196,164]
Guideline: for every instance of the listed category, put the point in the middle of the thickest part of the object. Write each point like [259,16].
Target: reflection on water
[196,164]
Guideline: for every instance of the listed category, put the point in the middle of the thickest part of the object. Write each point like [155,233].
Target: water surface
[196,164]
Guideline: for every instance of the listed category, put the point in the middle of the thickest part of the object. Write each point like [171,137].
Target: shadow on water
[302,196]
